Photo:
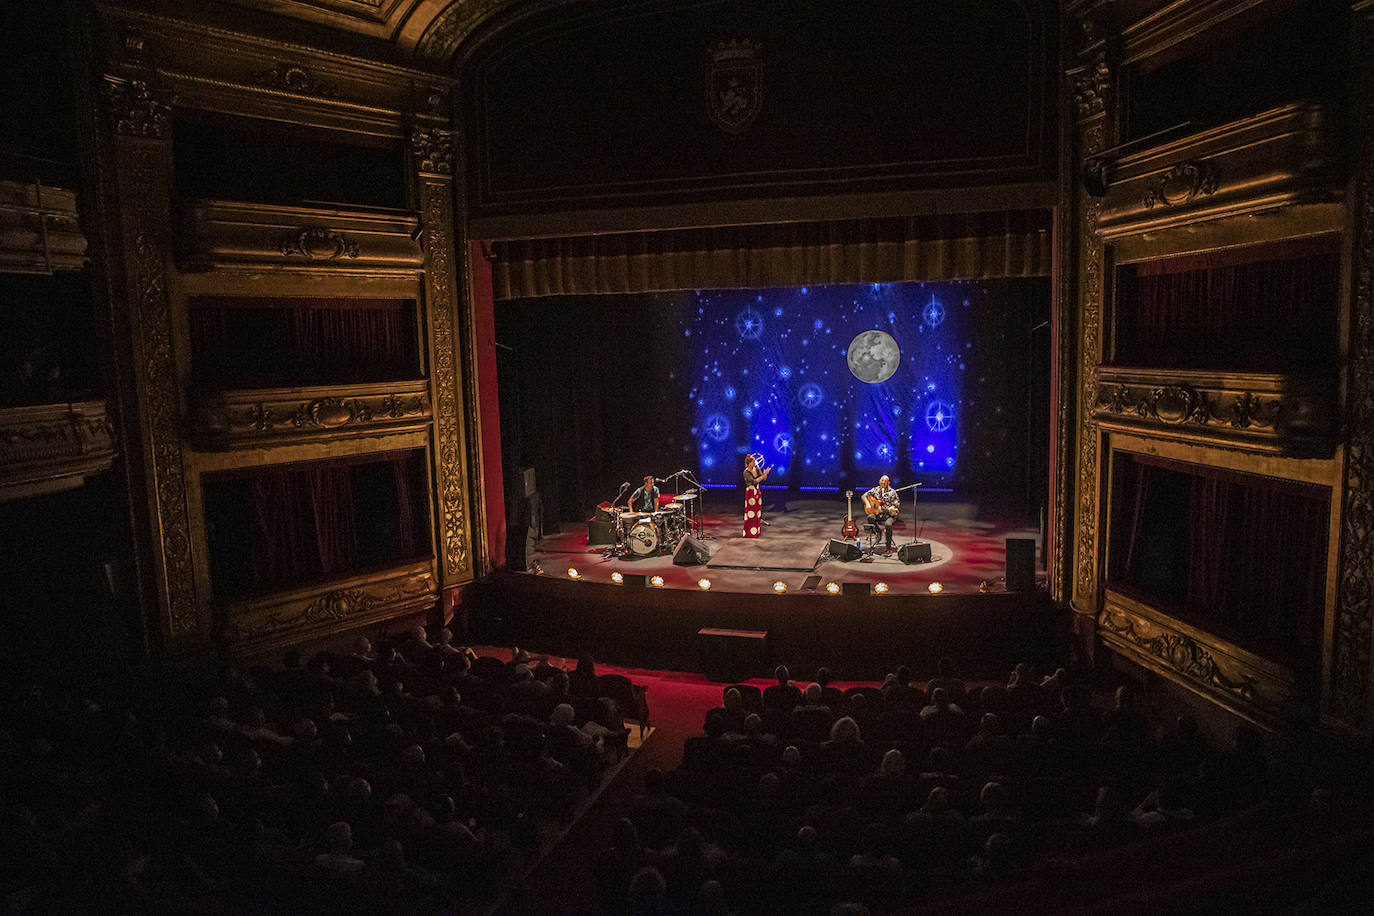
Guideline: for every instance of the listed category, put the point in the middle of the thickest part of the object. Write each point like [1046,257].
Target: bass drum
[642,538]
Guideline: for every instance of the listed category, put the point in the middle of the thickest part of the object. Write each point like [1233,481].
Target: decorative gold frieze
[1271,414]
[287,617]
[296,80]
[39,232]
[232,234]
[1091,83]
[1235,677]
[138,110]
[280,415]
[433,150]
[53,447]
[1281,156]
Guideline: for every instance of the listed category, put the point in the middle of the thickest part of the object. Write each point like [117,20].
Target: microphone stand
[699,515]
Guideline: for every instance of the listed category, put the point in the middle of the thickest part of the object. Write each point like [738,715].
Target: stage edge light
[832,587]
[935,588]
[880,588]
[656,581]
[779,586]
[617,578]
[573,573]
[704,584]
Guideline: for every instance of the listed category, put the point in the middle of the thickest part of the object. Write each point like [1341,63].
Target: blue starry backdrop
[953,391]
[773,374]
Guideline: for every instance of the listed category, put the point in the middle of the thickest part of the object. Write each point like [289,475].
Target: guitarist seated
[882,505]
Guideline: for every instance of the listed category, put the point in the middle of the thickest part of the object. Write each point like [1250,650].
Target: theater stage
[968,548]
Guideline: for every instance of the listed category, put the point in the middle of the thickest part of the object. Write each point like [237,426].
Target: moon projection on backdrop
[873,356]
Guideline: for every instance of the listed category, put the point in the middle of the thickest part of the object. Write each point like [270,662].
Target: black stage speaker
[1020,564]
[690,552]
[842,550]
[600,533]
[728,655]
[914,553]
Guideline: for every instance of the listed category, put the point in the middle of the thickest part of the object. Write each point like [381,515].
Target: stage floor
[968,548]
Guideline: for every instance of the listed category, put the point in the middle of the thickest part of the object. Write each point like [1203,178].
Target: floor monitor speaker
[914,553]
[843,550]
[600,533]
[690,552]
[1020,564]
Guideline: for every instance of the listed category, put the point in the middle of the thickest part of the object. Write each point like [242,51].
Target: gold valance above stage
[963,246]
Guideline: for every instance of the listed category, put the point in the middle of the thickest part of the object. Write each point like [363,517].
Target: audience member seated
[784,695]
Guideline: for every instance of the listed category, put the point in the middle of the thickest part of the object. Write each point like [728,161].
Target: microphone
[625,485]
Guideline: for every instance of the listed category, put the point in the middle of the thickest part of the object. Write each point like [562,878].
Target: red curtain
[282,515]
[330,486]
[1261,309]
[264,342]
[1252,551]
[406,528]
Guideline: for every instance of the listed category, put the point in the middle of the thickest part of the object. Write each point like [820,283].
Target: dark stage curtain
[1248,554]
[880,250]
[1269,308]
[261,342]
[321,519]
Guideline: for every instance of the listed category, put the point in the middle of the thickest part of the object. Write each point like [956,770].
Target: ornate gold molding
[1282,156]
[235,234]
[297,80]
[53,447]
[451,471]
[1214,667]
[276,416]
[144,185]
[283,618]
[433,150]
[39,230]
[1091,84]
[1347,691]
[1270,414]
[137,109]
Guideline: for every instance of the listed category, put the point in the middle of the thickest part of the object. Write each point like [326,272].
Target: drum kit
[646,534]
[643,534]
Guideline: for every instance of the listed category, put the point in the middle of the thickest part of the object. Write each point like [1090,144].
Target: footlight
[573,574]
[536,569]
[617,578]
[832,587]
[880,588]
[779,586]
[704,584]
[935,588]
[656,581]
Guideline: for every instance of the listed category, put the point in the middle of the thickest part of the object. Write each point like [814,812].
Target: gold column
[140,130]
[432,150]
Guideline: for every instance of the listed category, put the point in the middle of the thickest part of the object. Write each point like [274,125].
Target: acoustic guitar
[874,506]
[850,529]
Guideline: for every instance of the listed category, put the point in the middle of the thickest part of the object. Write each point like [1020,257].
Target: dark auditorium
[686,457]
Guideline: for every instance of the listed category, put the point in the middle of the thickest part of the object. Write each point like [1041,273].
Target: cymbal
[684,497]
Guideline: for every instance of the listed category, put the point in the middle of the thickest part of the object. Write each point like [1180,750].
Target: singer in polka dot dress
[753,496]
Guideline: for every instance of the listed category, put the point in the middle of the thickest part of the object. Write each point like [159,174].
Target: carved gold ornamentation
[1182,184]
[39,230]
[1181,653]
[228,419]
[1091,86]
[53,446]
[296,80]
[318,243]
[433,150]
[1090,310]
[458,20]
[331,413]
[337,606]
[1348,699]
[138,110]
[144,195]
[442,307]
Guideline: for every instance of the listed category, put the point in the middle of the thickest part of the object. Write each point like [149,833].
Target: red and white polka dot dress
[753,512]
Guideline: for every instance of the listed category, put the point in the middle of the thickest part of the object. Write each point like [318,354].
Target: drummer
[645,499]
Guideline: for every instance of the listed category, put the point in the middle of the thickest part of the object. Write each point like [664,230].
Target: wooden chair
[631,699]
